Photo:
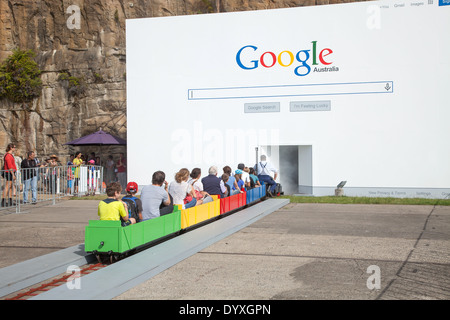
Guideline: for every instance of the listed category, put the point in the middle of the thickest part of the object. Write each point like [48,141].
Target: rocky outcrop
[93,54]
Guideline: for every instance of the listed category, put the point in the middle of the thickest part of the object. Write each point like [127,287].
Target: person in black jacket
[213,184]
[30,176]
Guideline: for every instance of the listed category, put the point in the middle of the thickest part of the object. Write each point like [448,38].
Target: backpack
[133,211]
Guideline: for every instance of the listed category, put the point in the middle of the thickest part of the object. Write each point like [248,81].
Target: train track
[51,283]
[54,287]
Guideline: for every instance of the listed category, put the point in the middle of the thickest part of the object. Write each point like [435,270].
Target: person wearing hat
[134,203]
[91,184]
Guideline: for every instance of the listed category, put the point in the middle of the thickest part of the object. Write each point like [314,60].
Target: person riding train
[112,208]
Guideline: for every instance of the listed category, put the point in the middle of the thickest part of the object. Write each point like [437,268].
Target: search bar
[321,89]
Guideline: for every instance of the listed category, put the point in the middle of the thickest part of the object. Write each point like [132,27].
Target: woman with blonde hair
[179,189]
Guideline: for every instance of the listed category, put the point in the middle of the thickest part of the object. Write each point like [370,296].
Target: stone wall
[94,54]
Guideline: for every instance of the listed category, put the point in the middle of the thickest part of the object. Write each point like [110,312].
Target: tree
[20,77]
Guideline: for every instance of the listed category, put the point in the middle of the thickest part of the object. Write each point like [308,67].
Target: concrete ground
[302,251]
[319,251]
[43,228]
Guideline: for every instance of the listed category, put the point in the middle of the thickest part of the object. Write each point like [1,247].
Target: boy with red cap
[134,203]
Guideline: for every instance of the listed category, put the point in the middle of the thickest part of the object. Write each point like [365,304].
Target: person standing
[122,171]
[77,162]
[9,174]
[70,174]
[110,167]
[53,174]
[18,184]
[29,174]
[264,170]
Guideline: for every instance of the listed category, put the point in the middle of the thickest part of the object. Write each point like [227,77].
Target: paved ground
[42,229]
[319,251]
[302,251]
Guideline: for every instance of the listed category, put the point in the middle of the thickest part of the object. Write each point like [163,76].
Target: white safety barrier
[33,185]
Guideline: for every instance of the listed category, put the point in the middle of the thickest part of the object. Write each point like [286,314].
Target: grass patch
[330,199]
[367,200]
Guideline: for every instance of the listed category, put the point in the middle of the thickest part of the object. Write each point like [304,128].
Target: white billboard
[353,92]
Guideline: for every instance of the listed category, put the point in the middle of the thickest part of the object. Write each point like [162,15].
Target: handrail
[47,183]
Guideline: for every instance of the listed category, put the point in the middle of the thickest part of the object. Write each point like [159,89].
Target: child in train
[134,204]
[240,183]
[112,208]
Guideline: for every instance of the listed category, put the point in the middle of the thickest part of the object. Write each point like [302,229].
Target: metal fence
[47,184]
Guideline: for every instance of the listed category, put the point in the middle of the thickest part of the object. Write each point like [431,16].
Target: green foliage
[98,78]
[208,5]
[74,85]
[20,77]
[367,200]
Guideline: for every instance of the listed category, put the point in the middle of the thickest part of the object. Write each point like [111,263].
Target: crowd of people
[187,189]
[20,174]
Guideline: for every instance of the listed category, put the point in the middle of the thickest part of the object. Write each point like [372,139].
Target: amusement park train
[108,239]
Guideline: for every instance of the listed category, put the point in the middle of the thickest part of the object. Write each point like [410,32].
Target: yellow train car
[203,212]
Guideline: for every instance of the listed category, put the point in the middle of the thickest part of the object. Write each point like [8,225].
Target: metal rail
[48,184]
[104,284]
[48,285]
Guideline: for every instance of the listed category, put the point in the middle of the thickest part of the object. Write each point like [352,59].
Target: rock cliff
[91,51]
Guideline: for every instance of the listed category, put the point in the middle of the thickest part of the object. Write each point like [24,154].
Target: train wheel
[99,259]
[114,258]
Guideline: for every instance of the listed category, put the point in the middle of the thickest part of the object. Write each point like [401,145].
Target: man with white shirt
[263,170]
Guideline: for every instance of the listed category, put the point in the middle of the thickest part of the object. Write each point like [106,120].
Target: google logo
[285,58]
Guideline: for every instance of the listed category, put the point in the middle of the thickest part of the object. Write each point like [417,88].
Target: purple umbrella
[98,138]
